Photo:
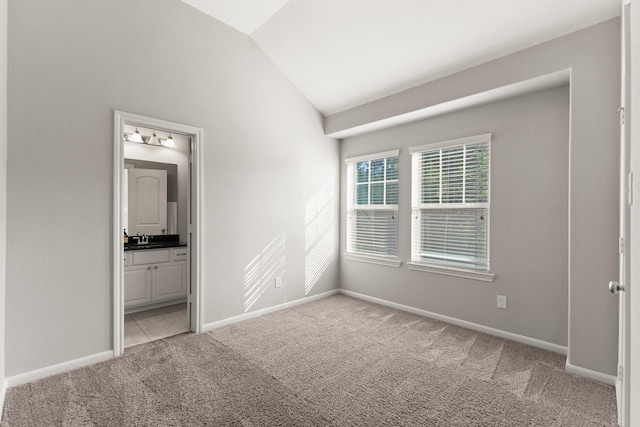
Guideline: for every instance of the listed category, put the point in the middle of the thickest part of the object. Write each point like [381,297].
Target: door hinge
[621,111]
[189,298]
[621,244]
[620,373]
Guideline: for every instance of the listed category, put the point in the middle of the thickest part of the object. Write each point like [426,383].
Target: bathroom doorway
[157,182]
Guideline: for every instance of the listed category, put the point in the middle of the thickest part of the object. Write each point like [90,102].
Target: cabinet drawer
[127,258]
[150,257]
[179,254]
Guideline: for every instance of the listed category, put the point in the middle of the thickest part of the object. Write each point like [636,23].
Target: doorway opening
[156,242]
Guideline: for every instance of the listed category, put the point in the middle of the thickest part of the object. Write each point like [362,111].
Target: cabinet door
[137,285]
[147,201]
[170,280]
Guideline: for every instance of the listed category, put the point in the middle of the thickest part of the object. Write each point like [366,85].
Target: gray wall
[593,56]
[266,161]
[529,201]
[3,174]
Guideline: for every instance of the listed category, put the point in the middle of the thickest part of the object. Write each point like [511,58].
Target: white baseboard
[37,374]
[463,323]
[48,371]
[592,375]
[213,325]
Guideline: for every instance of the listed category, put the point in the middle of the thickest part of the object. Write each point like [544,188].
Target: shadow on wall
[261,272]
[320,234]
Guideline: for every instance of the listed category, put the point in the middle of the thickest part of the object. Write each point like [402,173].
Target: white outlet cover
[278,282]
[502,302]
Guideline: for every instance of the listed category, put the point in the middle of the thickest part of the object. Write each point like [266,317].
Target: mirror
[152,197]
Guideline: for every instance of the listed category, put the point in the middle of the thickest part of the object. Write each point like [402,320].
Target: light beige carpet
[338,361]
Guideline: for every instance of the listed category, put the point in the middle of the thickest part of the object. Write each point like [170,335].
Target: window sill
[389,262]
[456,272]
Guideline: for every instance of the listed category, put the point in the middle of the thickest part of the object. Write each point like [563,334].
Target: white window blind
[450,203]
[372,205]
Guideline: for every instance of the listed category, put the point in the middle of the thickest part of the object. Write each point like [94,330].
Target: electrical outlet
[278,282]
[502,302]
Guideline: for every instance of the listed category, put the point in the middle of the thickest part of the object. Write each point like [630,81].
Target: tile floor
[150,325]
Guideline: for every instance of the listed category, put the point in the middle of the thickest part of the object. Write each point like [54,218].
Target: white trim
[374,207]
[374,156]
[197,228]
[390,262]
[463,323]
[449,271]
[589,374]
[120,117]
[569,212]
[235,319]
[38,374]
[451,143]
[118,250]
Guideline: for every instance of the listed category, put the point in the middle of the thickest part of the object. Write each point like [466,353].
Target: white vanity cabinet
[154,276]
[137,285]
[170,281]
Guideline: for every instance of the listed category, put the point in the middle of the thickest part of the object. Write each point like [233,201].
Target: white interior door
[621,286]
[147,201]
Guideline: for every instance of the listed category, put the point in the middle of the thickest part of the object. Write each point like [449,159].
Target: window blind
[372,206]
[450,203]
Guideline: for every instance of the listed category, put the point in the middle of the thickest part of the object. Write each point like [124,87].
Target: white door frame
[624,312]
[195,215]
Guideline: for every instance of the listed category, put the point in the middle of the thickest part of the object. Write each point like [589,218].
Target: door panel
[147,201]
[137,286]
[171,279]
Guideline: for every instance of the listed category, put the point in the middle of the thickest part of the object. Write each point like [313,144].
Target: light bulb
[169,142]
[154,139]
[135,137]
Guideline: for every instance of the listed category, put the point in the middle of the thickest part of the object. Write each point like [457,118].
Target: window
[450,204]
[372,205]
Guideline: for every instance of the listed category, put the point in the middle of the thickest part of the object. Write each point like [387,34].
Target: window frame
[417,207]
[352,207]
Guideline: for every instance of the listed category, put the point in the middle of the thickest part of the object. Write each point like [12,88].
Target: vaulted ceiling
[343,53]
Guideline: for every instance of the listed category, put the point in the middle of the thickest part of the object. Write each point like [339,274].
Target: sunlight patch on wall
[320,234]
[261,272]
[319,214]
[319,259]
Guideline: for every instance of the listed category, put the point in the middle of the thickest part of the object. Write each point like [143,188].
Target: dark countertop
[153,245]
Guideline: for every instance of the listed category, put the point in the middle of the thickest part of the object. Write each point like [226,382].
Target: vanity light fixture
[135,137]
[169,142]
[154,139]
[150,140]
